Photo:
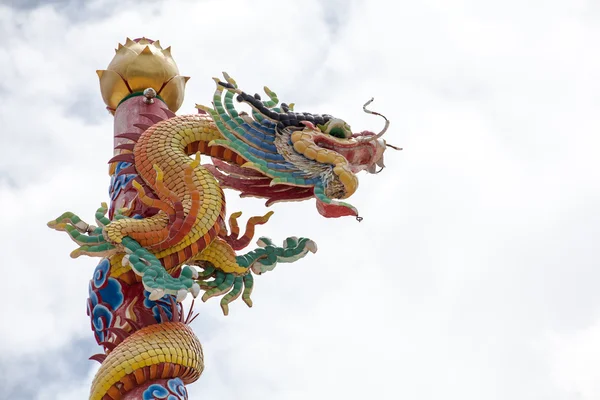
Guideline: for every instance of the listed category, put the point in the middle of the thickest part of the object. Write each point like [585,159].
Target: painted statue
[165,233]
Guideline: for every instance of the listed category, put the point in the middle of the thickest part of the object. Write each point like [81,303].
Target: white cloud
[575,361]
[479,238]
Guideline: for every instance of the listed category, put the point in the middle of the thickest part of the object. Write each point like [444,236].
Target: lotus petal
[173,92]
[113,88]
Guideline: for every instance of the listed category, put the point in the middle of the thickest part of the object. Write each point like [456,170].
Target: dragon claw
[258,261]
[181,295]
[156,294]
[195,290]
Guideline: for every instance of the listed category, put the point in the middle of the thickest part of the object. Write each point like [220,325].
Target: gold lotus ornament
[138,65]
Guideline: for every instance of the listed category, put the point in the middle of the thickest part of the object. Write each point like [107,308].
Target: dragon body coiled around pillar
[166,233]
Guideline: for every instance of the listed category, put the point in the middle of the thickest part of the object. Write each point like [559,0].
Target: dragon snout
[376,167]
[376,164]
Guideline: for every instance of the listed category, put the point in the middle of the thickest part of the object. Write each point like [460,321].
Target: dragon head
[305,155]
[332,143]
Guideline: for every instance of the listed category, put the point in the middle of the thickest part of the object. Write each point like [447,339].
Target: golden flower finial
[138,65]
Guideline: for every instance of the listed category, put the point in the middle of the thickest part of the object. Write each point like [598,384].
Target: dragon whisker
[385,128]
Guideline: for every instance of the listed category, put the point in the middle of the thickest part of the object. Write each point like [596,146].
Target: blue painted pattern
[105,296]
[164,303]
[175,390]
[118,183]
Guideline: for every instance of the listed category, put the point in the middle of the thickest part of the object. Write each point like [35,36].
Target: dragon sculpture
[166,235]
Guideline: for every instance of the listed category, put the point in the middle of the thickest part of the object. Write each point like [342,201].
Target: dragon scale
[190,201]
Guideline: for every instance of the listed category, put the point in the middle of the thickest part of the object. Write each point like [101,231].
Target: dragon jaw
[359,155]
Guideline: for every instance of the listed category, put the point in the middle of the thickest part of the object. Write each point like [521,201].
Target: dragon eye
[338,132]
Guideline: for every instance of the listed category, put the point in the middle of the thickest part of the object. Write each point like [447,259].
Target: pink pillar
[127,116]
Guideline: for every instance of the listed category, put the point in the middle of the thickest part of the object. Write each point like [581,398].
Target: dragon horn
[380,134]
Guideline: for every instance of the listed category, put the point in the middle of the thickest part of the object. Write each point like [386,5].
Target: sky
[474,272]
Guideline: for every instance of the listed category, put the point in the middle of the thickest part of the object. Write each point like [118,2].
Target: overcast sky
[474,274]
